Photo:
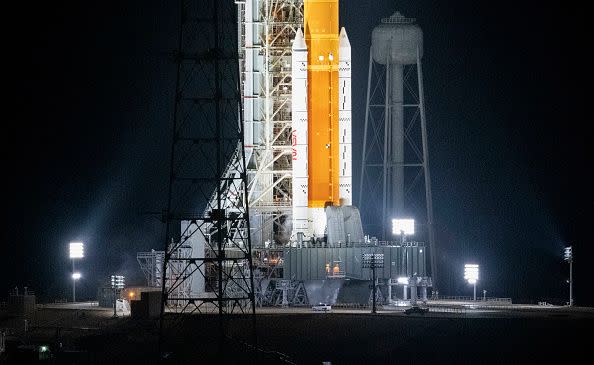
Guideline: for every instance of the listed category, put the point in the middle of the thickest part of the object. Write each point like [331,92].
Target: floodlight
[76,250]
[402,280]
[370,260]
[403,226]
[117,281]
[471,273]
[373,261]
[568,255]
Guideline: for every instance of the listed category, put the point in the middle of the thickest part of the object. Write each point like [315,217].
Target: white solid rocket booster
[344,119]
[307,220]
[299,134]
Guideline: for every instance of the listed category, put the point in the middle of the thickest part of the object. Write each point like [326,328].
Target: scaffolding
[266,30]
[207,255]
[151,264]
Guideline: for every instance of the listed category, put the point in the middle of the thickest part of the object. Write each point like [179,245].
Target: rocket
[321,117]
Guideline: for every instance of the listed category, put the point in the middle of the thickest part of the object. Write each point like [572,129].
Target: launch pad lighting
[568,257]
[406,226]
[403,280]
[117,281]
[117,284]
[471,273]
[568,254]
[76,250]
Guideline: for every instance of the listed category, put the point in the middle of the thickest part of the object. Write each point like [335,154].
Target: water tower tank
[395,43]
[397,39]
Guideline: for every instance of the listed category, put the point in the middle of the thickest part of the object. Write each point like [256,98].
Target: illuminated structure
[307,238]
[395,156]
[321,116]
[151,264]
[117,284]
[76,251]
[568,257]
[471,274]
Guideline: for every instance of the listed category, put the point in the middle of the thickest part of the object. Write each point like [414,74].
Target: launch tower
[293,198]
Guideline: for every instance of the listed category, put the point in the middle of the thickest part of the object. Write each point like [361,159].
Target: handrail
[467,298]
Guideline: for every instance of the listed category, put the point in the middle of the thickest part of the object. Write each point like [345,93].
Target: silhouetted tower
[395,161]
[207,249]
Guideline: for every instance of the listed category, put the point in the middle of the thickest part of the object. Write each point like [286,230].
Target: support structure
[373,261]
[568,257]
[73,283]
[151,265]
[207,260]
[266,30]
[395,162]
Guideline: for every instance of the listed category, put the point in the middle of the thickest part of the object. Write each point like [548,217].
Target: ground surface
[300,336]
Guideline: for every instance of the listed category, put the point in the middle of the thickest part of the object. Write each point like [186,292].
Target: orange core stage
[321,37]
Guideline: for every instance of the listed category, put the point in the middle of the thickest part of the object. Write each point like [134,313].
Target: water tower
[395,162]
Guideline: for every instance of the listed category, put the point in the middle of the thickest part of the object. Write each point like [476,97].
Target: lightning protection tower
[207,256]
[395,161]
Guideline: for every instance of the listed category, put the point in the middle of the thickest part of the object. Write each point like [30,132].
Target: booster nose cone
[343,40]
[299,41]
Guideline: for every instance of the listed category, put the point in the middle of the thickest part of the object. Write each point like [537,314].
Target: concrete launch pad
[344,336]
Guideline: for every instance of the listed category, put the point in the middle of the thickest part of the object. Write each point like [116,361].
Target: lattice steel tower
[395,164]
[208,249]
[267,29]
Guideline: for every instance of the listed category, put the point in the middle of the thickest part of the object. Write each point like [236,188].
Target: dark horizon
[506,92]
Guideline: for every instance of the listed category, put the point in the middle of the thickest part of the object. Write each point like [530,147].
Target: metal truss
[376,163]
[271,289]
[289,293]
[267,28]
[207,234]
[151,264]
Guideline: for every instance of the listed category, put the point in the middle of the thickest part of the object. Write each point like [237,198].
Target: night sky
[88,121]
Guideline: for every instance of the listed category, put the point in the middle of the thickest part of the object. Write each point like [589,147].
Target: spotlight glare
[76,250]
[402,280]
[568,255]
[471,273]
[403,225]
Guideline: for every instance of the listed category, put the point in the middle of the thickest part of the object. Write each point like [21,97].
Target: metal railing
[467,298]
[320,244]
[351,305]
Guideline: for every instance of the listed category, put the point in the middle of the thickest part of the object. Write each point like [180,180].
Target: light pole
[75,276]
[76,252]
[117,284]
[568,256]
[373,261]
[404,227]
[471,274]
